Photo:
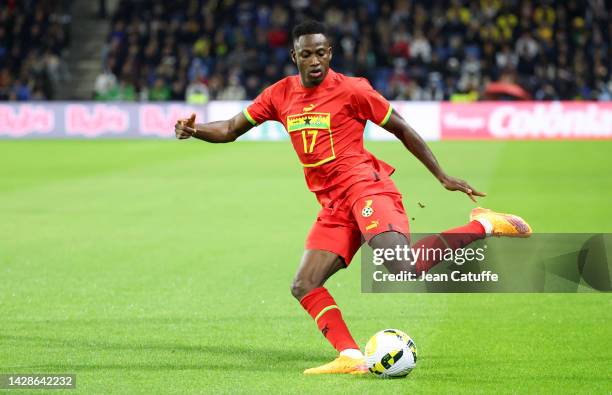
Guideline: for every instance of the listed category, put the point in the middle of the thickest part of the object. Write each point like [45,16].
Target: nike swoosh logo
[309,108]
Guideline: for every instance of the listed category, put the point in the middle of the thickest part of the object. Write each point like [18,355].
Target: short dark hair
[309,27]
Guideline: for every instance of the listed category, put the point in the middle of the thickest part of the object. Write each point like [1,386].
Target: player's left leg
[483,223]
[384,224]
[454,239]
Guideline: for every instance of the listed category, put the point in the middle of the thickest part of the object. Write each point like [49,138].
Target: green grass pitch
[164,266]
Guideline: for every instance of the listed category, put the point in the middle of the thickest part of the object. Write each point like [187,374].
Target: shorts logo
[372,225]
[367,210]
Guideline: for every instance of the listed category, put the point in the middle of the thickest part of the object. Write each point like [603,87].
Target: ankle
[352,353]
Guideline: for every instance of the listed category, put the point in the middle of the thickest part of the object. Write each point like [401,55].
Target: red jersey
[325,124]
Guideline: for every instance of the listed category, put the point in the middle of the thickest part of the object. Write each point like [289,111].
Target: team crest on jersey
[367,211]
[311,120]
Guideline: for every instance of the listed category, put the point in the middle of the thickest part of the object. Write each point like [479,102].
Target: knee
[388,240]
[402,259]
[300,287]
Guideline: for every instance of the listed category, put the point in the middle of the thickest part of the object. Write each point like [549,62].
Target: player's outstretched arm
[213,132]
[417,146]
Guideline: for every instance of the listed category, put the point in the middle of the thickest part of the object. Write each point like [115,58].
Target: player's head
[311,52]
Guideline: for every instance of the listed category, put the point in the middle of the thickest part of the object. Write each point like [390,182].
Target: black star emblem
[307,120]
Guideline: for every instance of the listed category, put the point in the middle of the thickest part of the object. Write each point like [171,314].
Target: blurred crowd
[33,37]
[408,49]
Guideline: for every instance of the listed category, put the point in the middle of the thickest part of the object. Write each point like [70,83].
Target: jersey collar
[331,74]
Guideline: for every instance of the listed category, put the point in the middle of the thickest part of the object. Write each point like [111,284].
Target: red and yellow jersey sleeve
[368,104]
[262,109]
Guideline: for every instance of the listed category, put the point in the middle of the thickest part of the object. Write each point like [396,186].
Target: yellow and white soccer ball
[390,353]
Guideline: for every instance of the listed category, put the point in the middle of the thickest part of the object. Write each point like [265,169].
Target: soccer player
[324,113]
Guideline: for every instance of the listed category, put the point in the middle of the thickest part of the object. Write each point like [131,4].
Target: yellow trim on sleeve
[325,310]
[249,117]
[386,118]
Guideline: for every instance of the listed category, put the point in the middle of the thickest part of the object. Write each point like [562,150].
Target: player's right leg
[307,287]
[330,246]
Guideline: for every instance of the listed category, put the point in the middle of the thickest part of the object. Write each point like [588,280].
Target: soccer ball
[390,353]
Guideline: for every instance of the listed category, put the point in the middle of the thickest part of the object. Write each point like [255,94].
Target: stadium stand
[34,36]
[409,49]
[412,50]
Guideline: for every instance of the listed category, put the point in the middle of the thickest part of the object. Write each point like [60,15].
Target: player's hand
[185,128]
[456,184]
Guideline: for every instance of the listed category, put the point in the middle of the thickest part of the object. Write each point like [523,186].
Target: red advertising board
[433,120]
[526,120]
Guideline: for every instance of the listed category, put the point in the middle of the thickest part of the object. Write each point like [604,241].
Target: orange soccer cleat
[499,224]
[342,364]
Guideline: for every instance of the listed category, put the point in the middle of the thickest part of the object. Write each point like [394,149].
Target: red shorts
[342,228]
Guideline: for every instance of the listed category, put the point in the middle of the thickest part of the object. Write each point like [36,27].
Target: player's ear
[330,52]
[293,59]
